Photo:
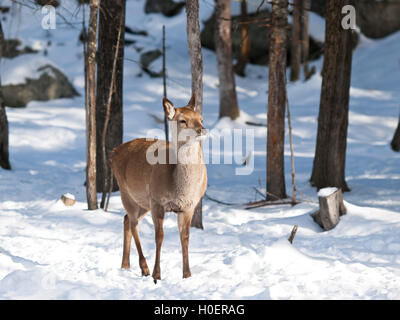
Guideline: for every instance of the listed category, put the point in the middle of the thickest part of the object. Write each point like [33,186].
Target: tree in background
[112,15]
[91,192]
[4,161]
[276,186]
[396,139]
[300,42]
[245,41]
[196,63]
[330,155]
[228,105]
[305,37]
[295,52]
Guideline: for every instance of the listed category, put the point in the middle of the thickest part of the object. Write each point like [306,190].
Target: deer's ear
[169,108]
[192,102]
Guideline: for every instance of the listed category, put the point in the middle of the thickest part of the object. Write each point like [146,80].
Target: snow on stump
[331,208]
[68,199]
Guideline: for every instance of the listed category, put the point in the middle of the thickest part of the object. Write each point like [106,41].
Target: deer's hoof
[187,274]
[145,272]
[144,268]
[156,276]
[125,266]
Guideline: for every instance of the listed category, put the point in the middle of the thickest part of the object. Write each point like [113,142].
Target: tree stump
[68,199]
[331,208]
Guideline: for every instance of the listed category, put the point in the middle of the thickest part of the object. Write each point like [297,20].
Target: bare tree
[330,154]
[300,42]
[196,63]
[228,105]
[276,186]
[112,15]
[305,37]
[4,161]
[240,66]
[91,191]
[296,46]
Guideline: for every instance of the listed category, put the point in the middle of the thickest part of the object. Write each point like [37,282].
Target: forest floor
[49,251]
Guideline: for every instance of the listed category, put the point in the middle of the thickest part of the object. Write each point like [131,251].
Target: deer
[174,186]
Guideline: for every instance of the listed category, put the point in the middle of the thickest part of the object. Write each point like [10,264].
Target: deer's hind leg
[135,231]
[127,244]
[131,228]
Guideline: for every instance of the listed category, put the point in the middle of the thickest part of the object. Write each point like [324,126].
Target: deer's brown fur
[159,187]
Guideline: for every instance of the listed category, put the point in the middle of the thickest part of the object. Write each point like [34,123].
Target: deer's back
[132,170]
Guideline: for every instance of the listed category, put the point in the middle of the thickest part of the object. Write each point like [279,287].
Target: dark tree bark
[4,156]
[330,154]
[305,38]
[396,139]
[111,13]
[4,161]
[228,105]
[240,67]
[91,193]
[300,42]
[196,64]
[296,44]
[276,186]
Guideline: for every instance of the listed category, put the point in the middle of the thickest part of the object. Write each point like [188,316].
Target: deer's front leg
[158,213]
[184,221]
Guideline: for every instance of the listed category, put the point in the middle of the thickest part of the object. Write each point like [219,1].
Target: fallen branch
[265,203]
[293,233]
[222,202]
[255,124]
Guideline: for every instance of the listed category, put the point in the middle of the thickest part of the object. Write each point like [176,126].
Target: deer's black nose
[202,131]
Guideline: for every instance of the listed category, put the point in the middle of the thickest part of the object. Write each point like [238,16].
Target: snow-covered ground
[49,251]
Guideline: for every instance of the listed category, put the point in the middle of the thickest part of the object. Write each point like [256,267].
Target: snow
[69,196]
[325,192]
[50,251]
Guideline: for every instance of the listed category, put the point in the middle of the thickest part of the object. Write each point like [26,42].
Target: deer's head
[189,123]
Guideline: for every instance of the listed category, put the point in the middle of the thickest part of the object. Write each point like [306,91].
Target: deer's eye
[182,121]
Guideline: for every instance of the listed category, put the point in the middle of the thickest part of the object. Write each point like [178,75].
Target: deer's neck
[189,169]
[188,176]
[189,154]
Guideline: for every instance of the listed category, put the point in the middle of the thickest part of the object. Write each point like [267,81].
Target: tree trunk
[228,105]
[196,63]
[396,139]
[4,161]
[330,154]
[245,41]
[296,43]
[91,107]
[111,13]
[276,186]
[305,38]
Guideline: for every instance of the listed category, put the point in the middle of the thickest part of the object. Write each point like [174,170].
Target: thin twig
[260,193]
[164,82]
[109,191]
[291,152]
